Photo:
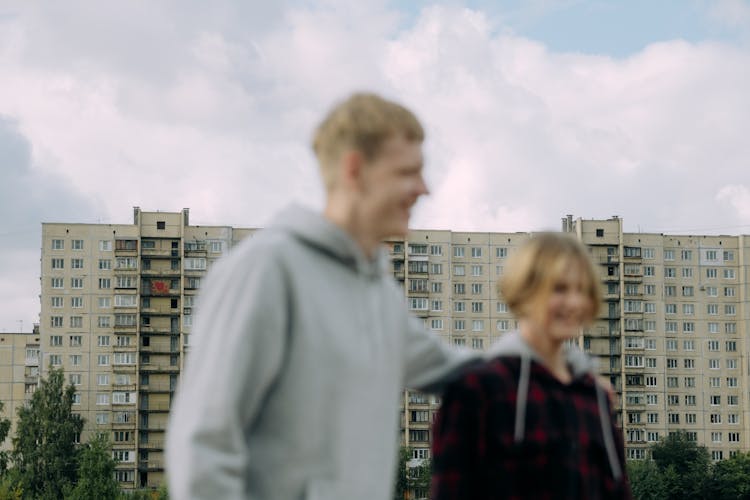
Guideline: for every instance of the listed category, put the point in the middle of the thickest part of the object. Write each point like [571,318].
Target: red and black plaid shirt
[562,454]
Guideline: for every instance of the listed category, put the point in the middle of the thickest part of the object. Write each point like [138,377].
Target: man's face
[390,185]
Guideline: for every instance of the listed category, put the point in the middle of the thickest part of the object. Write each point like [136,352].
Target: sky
[533,109]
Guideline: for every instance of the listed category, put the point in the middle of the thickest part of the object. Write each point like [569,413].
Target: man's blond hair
[363,122]
[532,272]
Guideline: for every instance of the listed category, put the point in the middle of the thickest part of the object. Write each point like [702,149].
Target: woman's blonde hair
[531,272]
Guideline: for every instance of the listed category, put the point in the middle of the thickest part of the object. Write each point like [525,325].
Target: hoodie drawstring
[604,418]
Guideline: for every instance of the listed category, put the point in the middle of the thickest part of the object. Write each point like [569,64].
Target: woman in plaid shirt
[533,422]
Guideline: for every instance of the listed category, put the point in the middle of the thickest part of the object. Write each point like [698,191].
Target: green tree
[730,479]
[4,430]
[44,447]
[402,473]
[683,465]
[96,471]
[420,477]
[646,481]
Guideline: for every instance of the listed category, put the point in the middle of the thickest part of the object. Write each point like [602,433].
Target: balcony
[160,252]
[124,388]
[153,406]
[195,248]
[150,465]
[152,444]
[157,387]
[165,272]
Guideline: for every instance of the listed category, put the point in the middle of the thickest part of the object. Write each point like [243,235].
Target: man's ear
[352,164]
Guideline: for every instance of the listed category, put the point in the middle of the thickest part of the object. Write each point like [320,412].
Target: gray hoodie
[292,385]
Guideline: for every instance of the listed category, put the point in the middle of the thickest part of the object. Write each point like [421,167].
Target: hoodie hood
[319,233]
[512,344]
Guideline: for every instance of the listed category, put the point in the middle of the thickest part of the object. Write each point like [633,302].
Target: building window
[459,325]
[476,307]
[76,321]
[102,341]
[436,250]
[436,324]
[76,263]
[458,251]
[436,305]
[55,359]
[102,359]
[75,378]
[419,435]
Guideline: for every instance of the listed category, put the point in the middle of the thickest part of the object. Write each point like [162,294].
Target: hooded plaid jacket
[510,429]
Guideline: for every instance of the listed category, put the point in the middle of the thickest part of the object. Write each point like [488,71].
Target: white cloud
[738,197]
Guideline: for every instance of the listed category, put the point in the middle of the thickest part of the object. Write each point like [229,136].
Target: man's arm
[430,363]
[240,337]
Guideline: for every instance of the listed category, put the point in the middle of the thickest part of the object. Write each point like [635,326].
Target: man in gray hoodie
[302,338]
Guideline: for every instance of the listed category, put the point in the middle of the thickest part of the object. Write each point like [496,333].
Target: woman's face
[567,306]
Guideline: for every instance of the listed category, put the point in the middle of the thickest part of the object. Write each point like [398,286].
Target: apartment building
[673,333]
[116,314]
[670,336]
[117,304]
[19,374]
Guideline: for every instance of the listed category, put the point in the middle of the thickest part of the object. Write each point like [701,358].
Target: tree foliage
[96,471]
[44,447]
[402,478]
[411,476]
[684,466]
[645,480]
[4,430]
[730,479]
